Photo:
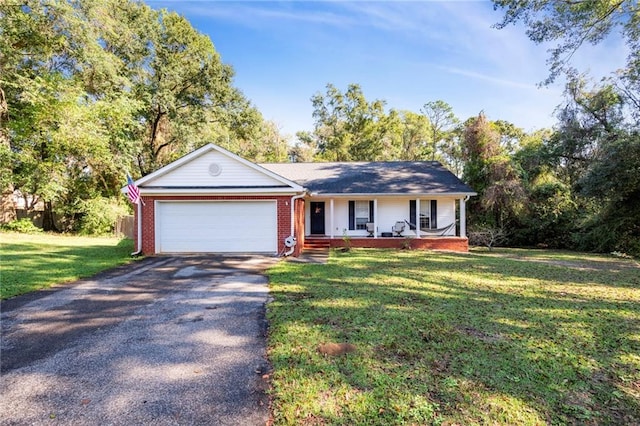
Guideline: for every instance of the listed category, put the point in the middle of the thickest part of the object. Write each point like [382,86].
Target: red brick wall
[148,214]
[299,226]
[440,243]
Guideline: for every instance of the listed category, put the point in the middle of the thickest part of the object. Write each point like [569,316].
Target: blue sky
[407,53]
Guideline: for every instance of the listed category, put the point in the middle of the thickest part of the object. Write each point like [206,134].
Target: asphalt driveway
[168,340]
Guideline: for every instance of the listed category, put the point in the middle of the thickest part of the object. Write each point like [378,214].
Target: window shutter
[352,215]
[371,211]
[412,214]
[434,214]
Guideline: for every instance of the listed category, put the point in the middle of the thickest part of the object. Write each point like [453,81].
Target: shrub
[24,226]
[99,216]
[487,236]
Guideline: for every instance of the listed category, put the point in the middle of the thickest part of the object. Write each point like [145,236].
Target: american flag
[132,191]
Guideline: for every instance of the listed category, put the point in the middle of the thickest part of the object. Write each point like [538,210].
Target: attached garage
[212,201]
[216,226]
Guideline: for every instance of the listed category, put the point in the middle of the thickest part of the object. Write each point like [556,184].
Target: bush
[487,236]
[24,226]
[99,216]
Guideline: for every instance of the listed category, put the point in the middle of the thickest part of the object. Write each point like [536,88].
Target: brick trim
[283,213]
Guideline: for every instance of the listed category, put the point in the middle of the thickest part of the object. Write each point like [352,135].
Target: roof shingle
[389,177]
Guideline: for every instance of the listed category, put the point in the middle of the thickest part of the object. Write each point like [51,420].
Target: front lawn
[507,337]
[32,262]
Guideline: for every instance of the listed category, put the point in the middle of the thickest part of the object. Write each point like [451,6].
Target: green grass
[505,337]
[33,262]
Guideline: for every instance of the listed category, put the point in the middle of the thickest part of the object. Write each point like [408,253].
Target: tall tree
[96,87]
[415,133]
[347,126]
[573,23]
[491,173]
[597,146]
[443,122]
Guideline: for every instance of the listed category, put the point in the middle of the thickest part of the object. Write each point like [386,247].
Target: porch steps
[316,243]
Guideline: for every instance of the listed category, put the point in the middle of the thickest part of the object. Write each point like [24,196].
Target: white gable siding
[196,173]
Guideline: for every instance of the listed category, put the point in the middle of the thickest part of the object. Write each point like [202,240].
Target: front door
[317,217]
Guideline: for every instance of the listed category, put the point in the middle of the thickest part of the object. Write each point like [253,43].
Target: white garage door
[216,227]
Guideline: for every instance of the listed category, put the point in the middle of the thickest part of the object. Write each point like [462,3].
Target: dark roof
[388,177]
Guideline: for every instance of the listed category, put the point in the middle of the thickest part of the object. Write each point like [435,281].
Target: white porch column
[463,218]
[331,218]
[375,218]
[418,233]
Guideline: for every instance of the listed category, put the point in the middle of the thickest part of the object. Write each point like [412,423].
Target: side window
[428,214]
[425,214]
[360,212]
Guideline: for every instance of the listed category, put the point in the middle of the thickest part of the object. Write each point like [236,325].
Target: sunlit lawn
[32,262]
[508,337]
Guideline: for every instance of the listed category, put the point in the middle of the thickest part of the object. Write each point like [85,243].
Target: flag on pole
[133,191]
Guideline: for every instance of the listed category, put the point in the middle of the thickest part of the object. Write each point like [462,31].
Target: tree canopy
[94,89]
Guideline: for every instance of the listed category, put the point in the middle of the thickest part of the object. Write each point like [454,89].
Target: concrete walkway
[167,341]
[312,255]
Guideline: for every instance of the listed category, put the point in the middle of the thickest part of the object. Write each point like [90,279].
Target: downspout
[293,221]
[139,252]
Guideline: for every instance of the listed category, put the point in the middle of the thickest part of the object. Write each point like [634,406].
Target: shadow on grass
[28,267]
[480,339]
[142,347]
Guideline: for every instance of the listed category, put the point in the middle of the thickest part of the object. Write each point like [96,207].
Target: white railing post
[375,218]
[331,218]
[463,218]
[418,233]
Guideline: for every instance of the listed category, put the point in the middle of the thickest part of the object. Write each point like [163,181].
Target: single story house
[213,201]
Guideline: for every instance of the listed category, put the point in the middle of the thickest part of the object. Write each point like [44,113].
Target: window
[360,213]
[428,214]
[425,214]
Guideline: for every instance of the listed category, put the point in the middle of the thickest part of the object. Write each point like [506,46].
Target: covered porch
[421,222]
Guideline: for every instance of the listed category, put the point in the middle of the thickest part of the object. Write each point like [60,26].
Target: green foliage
[522,337]
[347,126]
[350,128]
[23,226]
[442,121]
[571,24]
[595,148]
[99,215]
[491,172]
[90,90]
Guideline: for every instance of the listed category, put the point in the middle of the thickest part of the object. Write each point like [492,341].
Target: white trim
[139,220]
[463,217]
[211,147]
[418,230]
[224,191]
[394,194]
[331,219]
[157,224]
[375,218]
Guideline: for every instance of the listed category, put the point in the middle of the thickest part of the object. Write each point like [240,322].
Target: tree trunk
[7,204]
[48,220]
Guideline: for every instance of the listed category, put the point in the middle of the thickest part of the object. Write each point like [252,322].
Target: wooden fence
[124,227]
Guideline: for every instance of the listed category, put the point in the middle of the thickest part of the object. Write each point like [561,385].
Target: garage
[216,226]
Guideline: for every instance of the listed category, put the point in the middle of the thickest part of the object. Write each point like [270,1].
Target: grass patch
[33,262]
[504,337]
